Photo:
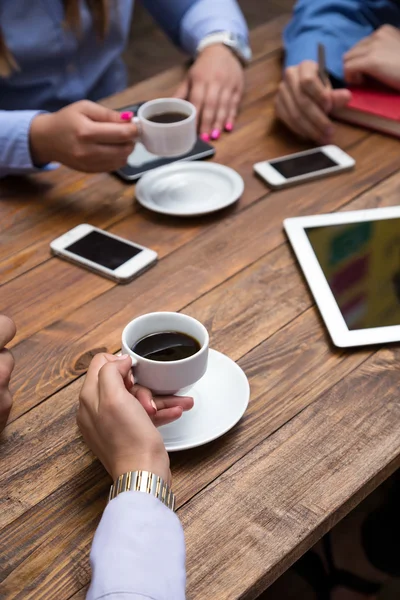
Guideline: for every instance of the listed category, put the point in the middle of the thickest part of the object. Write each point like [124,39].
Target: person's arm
[15,154]
[215,82]
[303,102]
[138,551]
[7,332]
[83,136]
[187,22]
[338,24]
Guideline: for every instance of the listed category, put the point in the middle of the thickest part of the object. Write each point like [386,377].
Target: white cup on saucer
[167,139]
[173,376]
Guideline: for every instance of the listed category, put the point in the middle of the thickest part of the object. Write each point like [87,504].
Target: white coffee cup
[173,376]
[167,139]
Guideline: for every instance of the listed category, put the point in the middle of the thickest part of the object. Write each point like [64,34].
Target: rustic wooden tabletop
[321,430]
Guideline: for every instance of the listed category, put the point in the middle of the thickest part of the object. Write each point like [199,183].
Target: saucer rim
[151,205]
[180,447]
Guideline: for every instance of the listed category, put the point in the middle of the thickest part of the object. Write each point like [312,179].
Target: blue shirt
[57,67]
[338,24]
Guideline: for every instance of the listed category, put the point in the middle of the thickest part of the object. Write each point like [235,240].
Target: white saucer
[220,397]
[189,189]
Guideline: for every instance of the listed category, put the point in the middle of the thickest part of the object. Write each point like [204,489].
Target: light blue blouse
[57,67]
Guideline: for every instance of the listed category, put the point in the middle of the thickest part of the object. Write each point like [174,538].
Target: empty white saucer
[188,189]
[220,397]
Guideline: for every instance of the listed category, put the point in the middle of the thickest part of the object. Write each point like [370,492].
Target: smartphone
[103,253]
[141,160]
[304,166]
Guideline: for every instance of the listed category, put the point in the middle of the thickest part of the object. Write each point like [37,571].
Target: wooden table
[322,428]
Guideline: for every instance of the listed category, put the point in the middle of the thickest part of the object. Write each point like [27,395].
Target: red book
[373,108]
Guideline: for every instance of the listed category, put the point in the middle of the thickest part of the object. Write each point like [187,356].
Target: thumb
[114,373]
[95,112]
[183,90]
[340,98]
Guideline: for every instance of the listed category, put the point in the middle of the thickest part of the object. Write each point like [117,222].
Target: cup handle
[138,124]
[134,362]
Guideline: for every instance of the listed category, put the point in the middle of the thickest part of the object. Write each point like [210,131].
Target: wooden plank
[273,505]
[37,468]
[65,198]
[37,285]
[57,354]
[48,519]
[278,393]
[34,286]
[18,258]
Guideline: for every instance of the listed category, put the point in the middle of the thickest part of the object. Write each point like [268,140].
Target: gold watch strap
[143,481]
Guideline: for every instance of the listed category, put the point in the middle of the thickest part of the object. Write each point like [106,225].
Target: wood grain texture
[275,273]
[285,397]
[278,393]
[321,428]
[62,349]
[45,205]
[295,486]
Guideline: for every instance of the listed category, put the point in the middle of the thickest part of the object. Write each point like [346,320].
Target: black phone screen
[302,165]
[103,250]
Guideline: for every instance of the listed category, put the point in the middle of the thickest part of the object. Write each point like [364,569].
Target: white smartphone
[103,253]
[303,166]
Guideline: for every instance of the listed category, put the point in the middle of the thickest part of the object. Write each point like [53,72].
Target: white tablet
[351,261]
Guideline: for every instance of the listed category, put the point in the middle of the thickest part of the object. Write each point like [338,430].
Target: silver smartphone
[104,253]
[304,166]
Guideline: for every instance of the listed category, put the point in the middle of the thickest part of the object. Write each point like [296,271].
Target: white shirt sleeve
[138,551]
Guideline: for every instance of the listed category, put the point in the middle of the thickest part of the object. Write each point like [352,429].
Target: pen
[322,74]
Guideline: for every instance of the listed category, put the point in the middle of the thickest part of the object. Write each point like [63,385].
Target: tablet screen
[361,263]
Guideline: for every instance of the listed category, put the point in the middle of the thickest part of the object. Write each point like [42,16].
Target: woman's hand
[214,84]
[303,103]
[375,56]
[7,332]
[83,136]
[113,417]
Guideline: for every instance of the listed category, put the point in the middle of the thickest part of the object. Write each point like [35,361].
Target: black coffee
[168,117]
[166,346]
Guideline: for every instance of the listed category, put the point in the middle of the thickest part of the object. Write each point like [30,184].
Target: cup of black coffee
[167,126]
[169,351]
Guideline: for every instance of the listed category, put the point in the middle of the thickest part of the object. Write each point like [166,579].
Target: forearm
[189,21]
[15,154]
[338,24]
[138,551]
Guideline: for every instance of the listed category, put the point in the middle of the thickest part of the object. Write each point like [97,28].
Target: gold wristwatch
[143,481]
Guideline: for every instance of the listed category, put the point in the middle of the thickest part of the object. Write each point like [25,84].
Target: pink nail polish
[215,134]
[126,116]
[228,126]
[205,137]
